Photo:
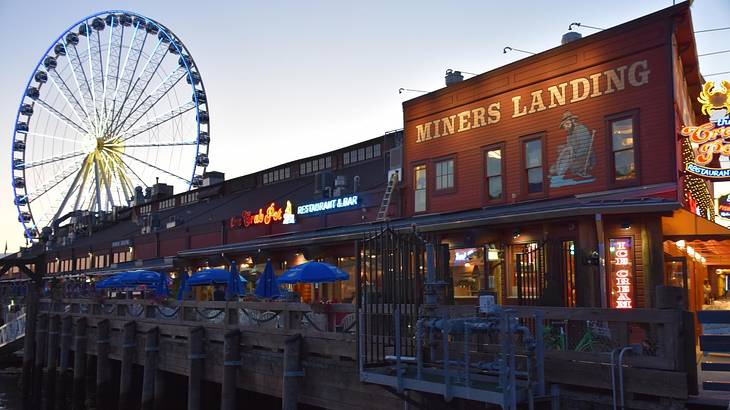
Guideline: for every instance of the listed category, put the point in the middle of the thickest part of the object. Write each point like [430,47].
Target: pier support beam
[292,372]
[129,344]
[103,370]
[196,357]
[151,350]
[79,391]
[231,364]
[62,384]
[54,326]
[90,382]
[40,358]
[31,315]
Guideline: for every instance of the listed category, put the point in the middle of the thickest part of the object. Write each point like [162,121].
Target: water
[9,390]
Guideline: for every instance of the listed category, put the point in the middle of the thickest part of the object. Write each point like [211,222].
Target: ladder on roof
[385,204]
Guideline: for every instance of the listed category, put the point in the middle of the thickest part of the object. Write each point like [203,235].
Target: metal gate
[531,266]
[546,274]
[390,269]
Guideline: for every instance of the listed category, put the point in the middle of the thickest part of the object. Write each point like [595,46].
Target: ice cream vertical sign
[622,273]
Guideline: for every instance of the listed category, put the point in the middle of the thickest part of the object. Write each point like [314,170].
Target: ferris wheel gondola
[114,103]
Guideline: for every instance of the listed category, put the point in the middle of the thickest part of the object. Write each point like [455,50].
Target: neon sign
[724,206]
[271,215]
[332,205]
[622,259]
[711,140]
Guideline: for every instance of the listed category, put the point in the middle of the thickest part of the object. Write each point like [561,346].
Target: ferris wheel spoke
[35,134]
[53,159]
[161,144]
[86,168]
[156,167]
[94,69]
[155,96]
[82,80]
[69,192]
[69,97]
[64,119]
[114,56]
[131,171]
[140,84]
[56,181]
[136,44]
[161,119]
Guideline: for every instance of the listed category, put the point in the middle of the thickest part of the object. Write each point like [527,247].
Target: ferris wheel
[115,103]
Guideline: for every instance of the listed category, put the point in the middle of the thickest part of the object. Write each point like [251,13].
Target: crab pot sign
[711,141]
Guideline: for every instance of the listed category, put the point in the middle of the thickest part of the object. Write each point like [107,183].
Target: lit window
[533,166]
[622,144]
[494,174]
[445,174]
[419,173]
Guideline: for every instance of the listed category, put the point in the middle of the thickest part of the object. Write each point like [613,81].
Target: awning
[156,264]
[687,225]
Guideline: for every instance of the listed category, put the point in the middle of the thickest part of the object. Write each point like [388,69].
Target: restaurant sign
[271,215]
[622,261]
[723,206]
[332,205]
[711,141]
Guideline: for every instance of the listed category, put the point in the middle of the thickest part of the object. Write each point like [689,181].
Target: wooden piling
[160,386]
[54,325]
[129,345]
[151,349]
[62,384]
[40,358]
[196,357]
[103,371]
[231,364]
[79,388]
[292,372]
[31,315]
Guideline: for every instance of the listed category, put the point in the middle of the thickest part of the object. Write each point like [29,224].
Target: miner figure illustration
[576,158]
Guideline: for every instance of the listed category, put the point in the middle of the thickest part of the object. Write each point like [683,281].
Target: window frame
[415,168]
[525,193]
[447,190]
[611,163]
[485,175]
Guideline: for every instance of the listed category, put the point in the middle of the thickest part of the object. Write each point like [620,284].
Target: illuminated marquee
[622,259]
[332,205]
[271,215]
[711,140]
[723,207]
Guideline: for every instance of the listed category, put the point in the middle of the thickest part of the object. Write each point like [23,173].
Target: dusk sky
[290,79]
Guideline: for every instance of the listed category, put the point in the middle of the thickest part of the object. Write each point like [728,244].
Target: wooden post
[31,315]
[160,386]
[103,372]
[231,364]
[292,372]
[79,392]
[90,381]
[54,326]
[129,344]
[40,358]
[652,249]
[195,378]
[151,349]
[63,376]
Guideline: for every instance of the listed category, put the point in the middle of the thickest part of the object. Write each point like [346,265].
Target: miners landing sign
[711,141]
[579,89]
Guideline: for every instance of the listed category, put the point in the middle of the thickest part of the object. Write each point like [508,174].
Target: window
[419,175]
[622,145]
[445,174]
[533,165]
[276,175]
[360,154]
[493,163]
[315,165]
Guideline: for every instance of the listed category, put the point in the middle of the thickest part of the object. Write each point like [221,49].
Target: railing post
[65,352]
[79,365]
[231,364]
[103,371]
[195,378]
[129,344]
[53,341]
[40,358]
[292,372]
[151,349]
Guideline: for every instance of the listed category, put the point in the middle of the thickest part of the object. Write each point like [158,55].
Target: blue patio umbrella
[266,286]
[234,287]
[161,286]
[184,288]
[113,282]
[313,272]
[139,277]
[211,277]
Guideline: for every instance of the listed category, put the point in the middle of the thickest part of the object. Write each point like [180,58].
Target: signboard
[711,141]
[271,215]
[332,205]
[621,273]
[723,206]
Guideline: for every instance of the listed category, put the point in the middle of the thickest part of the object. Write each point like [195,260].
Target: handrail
[13,330]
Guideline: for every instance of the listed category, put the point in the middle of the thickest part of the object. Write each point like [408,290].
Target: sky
[290,79]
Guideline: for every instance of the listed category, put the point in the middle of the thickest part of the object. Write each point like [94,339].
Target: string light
[695,187]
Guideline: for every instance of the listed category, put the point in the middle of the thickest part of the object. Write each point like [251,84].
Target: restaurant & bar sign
[711,141]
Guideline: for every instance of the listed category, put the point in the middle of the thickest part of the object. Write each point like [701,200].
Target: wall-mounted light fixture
[625,225]
[516,233]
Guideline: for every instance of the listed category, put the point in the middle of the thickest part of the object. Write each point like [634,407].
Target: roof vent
[570,36]
[453,77]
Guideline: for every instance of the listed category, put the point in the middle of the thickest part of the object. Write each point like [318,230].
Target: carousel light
[681,244]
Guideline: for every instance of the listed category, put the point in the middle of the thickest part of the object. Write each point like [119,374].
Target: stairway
[12,335]
[385,204]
